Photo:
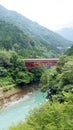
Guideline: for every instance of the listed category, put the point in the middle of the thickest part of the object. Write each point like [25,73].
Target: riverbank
[18,110]
[13,96]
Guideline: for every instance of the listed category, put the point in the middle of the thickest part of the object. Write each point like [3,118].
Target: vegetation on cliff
[58,112]
[59,79]
[13,71]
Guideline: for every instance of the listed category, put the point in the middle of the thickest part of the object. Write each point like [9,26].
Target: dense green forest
[12,38]
[22,38]
[42,41]
[59,79]
[57,113]
[13,71]
[26,39]
[69,51]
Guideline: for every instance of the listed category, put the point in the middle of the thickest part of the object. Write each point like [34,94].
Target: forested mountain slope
[11,37]
[69,52]
[41,40]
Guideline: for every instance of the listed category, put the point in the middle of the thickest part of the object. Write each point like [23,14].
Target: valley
[24,87]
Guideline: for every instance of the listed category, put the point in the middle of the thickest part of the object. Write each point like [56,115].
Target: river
[18,110]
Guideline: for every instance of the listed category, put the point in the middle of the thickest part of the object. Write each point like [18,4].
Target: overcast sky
[53,14]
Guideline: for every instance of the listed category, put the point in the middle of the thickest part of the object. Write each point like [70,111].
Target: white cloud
[50,13]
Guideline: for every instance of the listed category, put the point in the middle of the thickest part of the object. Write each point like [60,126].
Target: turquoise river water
[17,111]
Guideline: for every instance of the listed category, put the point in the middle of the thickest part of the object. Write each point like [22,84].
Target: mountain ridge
[66,33]
[42,40]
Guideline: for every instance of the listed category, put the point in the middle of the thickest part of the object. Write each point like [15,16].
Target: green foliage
[68,72]
[7,88]
[4,59]
[13,71]
[50,116]
[3,72]
[21,34]
[12,38]
[69,52]
[24,78]
[37,73]
[18,72]
[46,76]
[5,81]
[55,81]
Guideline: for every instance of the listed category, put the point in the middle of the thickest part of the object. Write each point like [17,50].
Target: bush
[6,81]
[3,72]
[7,88]
[50,116]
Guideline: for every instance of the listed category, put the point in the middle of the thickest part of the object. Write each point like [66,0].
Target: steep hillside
[12,37]
[69,52]
[66,33]
[41,41]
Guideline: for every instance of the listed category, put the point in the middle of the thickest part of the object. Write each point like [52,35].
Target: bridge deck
[50,59]
[33,63]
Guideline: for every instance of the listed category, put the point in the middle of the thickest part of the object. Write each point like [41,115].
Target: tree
[50,116]
[23,78]
[58,80]
[68,72]
[37,72]
[4,59]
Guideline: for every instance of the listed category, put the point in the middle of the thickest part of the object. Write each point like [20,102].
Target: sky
[53,14]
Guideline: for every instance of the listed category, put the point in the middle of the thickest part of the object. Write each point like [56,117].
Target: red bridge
[33,63]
